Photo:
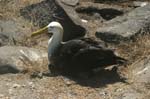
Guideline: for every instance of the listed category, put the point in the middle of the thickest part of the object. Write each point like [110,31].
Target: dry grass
[135,52]
[10,8]
[137,49]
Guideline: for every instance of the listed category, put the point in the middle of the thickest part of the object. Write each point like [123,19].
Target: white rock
[84,21]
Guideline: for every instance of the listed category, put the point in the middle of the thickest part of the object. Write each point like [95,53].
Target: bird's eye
[51,27]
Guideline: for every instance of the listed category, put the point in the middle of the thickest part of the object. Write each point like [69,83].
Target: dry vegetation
[59,87]
[137,49]
[134,51]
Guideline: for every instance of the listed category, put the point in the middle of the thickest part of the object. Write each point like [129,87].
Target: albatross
[77,55]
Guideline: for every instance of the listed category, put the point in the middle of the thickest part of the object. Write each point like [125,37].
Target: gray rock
[72,23]
[12,31]
[126,27]
[4,40]
[70,2]
[17,59]
[97,13]
[56,10]
[8,31]
[139,3]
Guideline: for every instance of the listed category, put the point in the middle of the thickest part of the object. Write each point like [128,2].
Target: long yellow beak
[40,31]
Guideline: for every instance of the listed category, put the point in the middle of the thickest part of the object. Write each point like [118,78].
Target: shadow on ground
[7,68]
[100,79]
[105,13]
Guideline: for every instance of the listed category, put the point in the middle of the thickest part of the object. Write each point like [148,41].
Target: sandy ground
[108,84]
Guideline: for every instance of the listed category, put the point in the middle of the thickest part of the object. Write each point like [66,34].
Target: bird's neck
[54,42]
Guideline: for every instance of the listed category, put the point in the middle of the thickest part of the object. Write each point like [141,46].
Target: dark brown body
[83,55]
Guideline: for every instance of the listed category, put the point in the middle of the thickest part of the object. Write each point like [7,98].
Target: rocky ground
[123,24]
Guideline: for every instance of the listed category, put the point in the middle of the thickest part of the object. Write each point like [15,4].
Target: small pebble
[31,85]
[16,86]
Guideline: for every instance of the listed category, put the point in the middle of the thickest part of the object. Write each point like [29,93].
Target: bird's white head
[55,27]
